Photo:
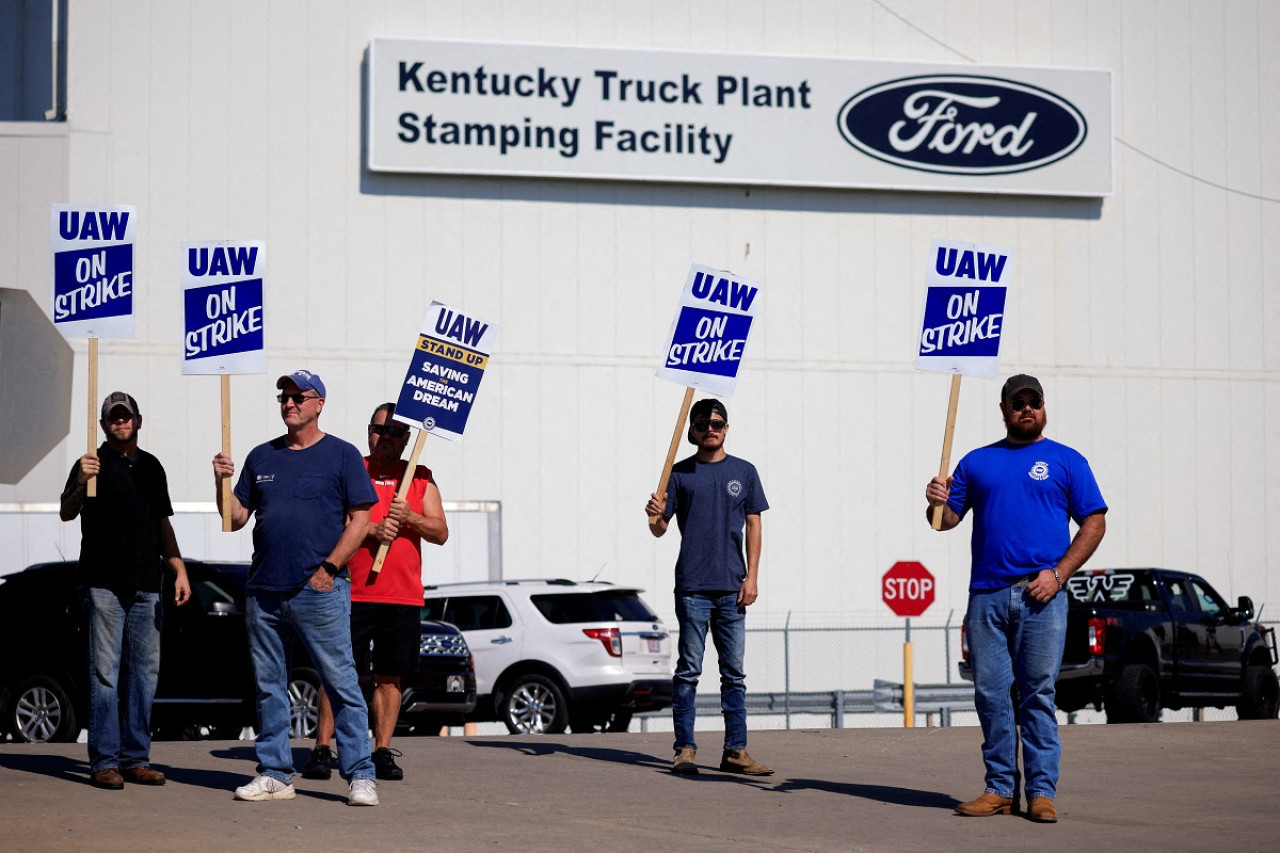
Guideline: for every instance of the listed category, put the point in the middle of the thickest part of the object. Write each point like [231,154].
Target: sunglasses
[703,426]
[296,398]
[1017,404]
[389,430]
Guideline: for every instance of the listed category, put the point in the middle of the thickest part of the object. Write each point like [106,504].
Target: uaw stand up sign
[440,386]
[963,321]
[707,341]
[222,324]
[93,285]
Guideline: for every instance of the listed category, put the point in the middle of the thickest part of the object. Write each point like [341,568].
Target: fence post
[786,669]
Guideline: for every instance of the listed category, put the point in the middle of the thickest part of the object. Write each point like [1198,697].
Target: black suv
[206,686]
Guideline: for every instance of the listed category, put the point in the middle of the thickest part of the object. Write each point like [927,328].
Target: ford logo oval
[962,124]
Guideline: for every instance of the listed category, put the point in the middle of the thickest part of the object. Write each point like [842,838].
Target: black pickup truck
[1139,640]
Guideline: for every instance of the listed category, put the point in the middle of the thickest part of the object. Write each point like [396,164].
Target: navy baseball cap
[304,379]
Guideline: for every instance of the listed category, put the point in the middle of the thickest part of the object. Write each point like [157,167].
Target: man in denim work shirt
[713,496]
[1023,490]
[310,496]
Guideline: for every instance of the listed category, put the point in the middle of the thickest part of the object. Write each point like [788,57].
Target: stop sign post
[908,589]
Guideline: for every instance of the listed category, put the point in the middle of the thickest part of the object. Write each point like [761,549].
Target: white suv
[555,653]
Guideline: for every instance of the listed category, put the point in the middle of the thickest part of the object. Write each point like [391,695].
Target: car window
[477,612]
[610,606]
[1180,599]
[1210,603]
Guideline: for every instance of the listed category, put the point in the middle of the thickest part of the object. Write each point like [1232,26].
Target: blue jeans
[322,622]
[1015,640]
[696,612]
[123,633]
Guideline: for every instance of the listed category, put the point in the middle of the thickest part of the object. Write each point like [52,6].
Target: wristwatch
[330,568]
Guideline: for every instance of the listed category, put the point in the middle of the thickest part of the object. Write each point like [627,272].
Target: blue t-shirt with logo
[711,502]
[299,499]
[1022,496]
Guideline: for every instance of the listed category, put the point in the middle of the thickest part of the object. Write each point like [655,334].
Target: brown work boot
[142,775]
[108,778]
[737,761]
[685,763]
[985,806]
[1042,810]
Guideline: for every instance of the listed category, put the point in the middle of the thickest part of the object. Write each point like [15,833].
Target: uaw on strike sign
[964,309]
[710,331]
[222,303]
[445,372]
[93,271]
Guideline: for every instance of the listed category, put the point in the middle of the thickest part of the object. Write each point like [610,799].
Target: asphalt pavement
[1166,787]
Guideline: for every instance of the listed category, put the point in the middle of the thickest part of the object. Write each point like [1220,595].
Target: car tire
[534,705]
[40,711]
[1260,699]
[1136,698]
[304,702]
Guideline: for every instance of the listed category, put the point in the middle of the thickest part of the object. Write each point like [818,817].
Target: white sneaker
[265,788]
[364,792]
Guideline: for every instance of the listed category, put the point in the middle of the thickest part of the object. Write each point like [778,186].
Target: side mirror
[1244,608]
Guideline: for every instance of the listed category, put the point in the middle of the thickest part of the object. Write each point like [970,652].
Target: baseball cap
[1014,384]
[304,379]
[119,398]
[707,407]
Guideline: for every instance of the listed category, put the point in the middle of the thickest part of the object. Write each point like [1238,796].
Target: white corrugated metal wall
[1151,315]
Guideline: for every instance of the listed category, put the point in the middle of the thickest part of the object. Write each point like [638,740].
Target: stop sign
[907,588]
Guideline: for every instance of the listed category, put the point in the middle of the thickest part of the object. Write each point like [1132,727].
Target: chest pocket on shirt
[311,486]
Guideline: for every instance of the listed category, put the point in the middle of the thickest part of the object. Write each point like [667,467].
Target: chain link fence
[851,676]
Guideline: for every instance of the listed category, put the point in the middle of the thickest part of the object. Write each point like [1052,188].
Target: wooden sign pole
[225,485]
[945,467]
[91,485]
[675,447]
[406,480]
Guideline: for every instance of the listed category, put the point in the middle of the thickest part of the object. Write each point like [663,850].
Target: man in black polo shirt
[125,541]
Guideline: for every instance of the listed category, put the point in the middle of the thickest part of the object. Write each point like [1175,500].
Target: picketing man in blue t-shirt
[714,498]
[1023,491]
[310,496]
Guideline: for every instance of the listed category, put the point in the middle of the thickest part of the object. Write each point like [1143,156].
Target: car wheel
[1261,696]
[41,712]
[534,705]
[1136,698]
[304,702]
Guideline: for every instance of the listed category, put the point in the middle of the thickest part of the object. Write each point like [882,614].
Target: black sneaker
[320,764]
[384,764]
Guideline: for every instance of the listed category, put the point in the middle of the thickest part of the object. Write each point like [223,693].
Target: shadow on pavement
[54,766]
[542,747]
[878,793]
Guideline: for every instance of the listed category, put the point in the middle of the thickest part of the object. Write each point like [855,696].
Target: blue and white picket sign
[445,372]
[93,270]
[964,309]
[222,306]
[709,334]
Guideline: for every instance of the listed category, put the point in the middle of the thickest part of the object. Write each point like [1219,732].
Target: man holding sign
[126,538]
[1022,490]
[310,495]
[713,496]
[386,607]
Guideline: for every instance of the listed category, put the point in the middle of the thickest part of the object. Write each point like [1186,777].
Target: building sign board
[481,108]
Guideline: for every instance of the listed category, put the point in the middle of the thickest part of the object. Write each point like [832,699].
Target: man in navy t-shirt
[714,498]
[310,495]
[1023,491]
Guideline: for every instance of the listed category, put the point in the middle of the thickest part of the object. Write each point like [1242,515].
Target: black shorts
[395,634]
